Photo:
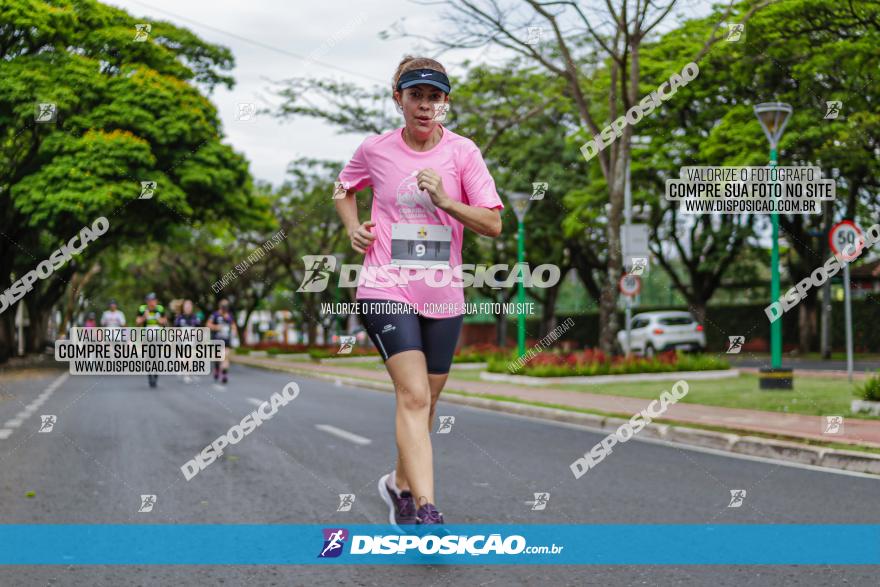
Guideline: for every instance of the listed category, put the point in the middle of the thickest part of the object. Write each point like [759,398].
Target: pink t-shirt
[389,165]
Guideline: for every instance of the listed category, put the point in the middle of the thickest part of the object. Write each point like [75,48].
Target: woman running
[428,185]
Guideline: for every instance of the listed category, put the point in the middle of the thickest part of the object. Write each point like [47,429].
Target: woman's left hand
[430,181]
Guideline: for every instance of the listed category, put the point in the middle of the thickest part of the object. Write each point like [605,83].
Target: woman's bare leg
[436,383]
[409,373]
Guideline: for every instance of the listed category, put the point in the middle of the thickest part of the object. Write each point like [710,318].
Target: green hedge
[748,320]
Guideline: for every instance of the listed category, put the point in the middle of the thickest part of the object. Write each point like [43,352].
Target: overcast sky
[272,40]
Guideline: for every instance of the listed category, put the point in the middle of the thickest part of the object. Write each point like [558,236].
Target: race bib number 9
[420,245]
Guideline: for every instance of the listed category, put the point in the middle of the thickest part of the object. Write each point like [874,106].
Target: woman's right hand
[361,237]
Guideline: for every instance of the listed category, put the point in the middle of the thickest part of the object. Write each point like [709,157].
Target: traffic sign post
[846,241]
[629,286]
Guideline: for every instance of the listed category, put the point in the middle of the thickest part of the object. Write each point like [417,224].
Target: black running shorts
[395,326]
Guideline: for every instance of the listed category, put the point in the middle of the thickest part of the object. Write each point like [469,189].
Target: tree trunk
[548,316]
[35,332]
[6,336]
[608,299]
[698,309]
[501,329]
[807,323]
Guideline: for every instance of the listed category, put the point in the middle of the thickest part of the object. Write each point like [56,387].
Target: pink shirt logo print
[415,204]
[389,165]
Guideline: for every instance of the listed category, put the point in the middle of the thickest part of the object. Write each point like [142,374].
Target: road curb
[600,379]
[735,443]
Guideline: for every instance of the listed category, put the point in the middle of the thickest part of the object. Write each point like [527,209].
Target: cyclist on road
[151,315]
[223,327]
[429,183]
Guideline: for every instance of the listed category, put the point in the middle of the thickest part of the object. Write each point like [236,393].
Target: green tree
[126,112]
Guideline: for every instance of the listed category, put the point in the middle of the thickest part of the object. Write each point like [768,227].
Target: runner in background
[187,319]
[151,315]
[223,327]
[113,317]
[90,321]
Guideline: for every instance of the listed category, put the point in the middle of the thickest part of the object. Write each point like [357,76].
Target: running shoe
[401,508]
[428,514]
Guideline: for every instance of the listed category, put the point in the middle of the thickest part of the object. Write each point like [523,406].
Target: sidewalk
[856,431]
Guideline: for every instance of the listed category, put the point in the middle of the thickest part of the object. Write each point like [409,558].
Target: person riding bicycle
[151,315]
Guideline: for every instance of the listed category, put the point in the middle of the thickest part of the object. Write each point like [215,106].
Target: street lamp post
[520,203]
[773,117]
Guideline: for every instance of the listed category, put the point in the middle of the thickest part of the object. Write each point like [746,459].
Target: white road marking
[32,407]
[350,436]
[256,402]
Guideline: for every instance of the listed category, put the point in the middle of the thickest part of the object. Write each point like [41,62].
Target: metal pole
[19,319]
[848,312]
[521,321]
[826,294]
[776,327]
[627,220]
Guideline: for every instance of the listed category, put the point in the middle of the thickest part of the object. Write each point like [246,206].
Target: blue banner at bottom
[209,544]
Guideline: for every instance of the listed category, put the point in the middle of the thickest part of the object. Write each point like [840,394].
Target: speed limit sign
[630,285]
[846,240]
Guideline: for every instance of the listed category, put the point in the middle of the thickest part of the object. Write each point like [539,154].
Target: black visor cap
[431,77]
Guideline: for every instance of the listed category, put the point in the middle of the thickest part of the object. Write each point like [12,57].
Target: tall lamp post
[773,117]
[520,203]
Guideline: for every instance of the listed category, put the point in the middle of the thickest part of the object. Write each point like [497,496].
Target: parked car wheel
[650,353]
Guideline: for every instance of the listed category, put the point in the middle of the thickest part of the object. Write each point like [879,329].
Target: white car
[655,332]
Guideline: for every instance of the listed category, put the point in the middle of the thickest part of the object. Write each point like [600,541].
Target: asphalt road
[115,439]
